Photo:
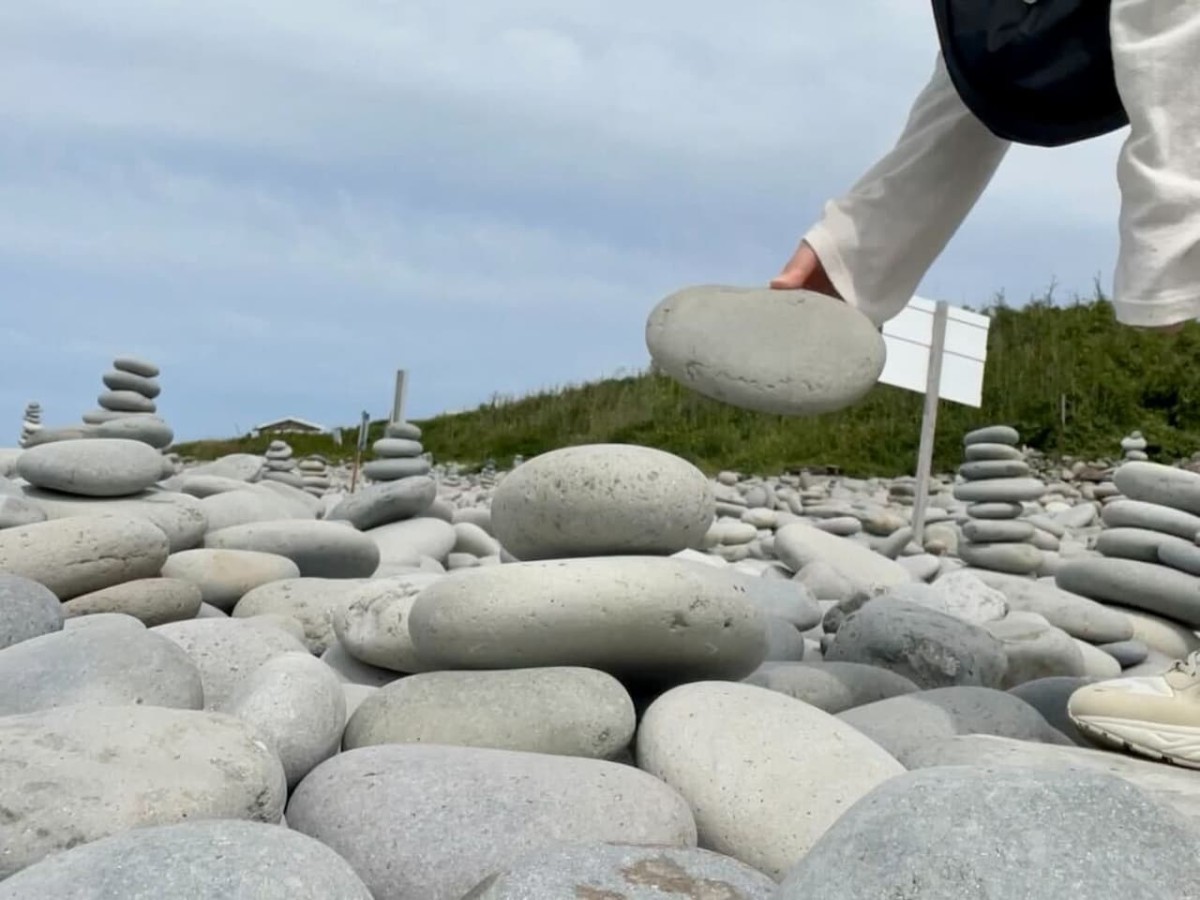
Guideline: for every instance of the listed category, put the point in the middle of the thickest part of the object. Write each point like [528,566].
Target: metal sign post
[939,351]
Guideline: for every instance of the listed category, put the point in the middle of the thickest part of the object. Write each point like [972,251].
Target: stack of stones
[314,474]
[132,388]
[1147,557]
[280,465]
[32,423]
[996,483]
[398,454]
[1134,448]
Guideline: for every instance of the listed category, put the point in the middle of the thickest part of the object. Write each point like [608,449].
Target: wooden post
[399,397]
[359,448]
[933,384]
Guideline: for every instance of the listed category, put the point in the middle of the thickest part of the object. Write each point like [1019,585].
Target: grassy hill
[1068,377]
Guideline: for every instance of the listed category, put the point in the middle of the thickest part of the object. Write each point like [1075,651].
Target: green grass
[1113,379]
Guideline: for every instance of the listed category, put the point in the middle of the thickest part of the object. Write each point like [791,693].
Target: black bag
[1034,72]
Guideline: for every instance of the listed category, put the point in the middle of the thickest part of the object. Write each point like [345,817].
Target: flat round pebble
[319,549]
[379,504]
[92,467]
[225,576]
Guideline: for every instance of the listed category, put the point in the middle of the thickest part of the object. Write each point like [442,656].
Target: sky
[282,202]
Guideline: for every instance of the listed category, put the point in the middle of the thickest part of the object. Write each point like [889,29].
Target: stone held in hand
[794,353]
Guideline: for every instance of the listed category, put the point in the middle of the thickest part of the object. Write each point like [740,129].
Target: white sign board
[909,336]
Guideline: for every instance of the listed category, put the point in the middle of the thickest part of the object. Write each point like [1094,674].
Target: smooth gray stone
[152,601]
[27,610]
[1156,483]
[98,666]
[1049,697]
[319,549]
[296,704]
[57,435]
[980,469]
[1151,516]
[790,353]
[1013,559]
[16,511]
[1170,785]
[557,710]
[257,503]
[83,554]
[831,686]
[105,620]
[930,648]
[396,448]
[1155,588]
[784,642]
[904,724]
[100,416]
[147,429]
[1078,616]
[1136,543]
[125,401]
[1179,555]
[1000,490]
[989,531]
[1127,653]
[611,871]
[1037,834]
[225,859]
[373,624]
[136,366]
[103,770]
[1036,649]
[394,469]
[380,504]
[228,651]
[239,466]
[980,452]
[992,434]
[403,430]
[92,467]
[117,380]
[788,600]
[995,511]
[312,602]
[1049,525]
[433,821]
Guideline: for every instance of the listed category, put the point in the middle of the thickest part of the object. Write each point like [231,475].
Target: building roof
[289,419]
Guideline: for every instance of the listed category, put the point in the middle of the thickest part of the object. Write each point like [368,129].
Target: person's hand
[805,272]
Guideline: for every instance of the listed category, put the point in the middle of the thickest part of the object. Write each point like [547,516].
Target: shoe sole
[1178,744]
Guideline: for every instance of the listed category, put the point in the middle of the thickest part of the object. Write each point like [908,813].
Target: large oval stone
[379,504]
[1162,485]
[112,666]
[831,686]
[83,554]
[780,352]
[319,549]
[1036,833]
[602,500]
[225,576]
[153,601]
[178,516]
[561,711]
[372,623]
[1147,586]
[81,773]
[92,467]
[645,619]
[431,822]
[310,601]
[227,859]
[765,775]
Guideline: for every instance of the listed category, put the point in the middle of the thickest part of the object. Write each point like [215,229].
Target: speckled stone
[831,686]
[27,610]
[1036,834]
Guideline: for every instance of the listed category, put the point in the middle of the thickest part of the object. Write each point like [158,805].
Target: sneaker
[1157,716]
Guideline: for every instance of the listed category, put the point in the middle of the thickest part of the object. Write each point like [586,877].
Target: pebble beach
[600,674]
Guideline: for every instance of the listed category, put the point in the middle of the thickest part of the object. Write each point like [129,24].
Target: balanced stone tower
[32,423]
[1134,448]
[314,475]
[127,407]
[281,466]
[996,483]
[398,454]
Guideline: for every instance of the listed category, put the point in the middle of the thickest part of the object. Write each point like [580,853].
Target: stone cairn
[1134,448]
[398,454]
[996,482]
[314,475]
[32,423]
[132,387]
[281,466]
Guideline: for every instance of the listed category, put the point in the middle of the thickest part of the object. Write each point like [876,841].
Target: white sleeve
[877,241]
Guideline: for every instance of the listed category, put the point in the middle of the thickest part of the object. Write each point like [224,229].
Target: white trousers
[879,239]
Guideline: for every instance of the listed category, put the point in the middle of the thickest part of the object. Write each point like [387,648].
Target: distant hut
[288,425]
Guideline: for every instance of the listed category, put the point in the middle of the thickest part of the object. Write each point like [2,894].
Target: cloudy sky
[281,202]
